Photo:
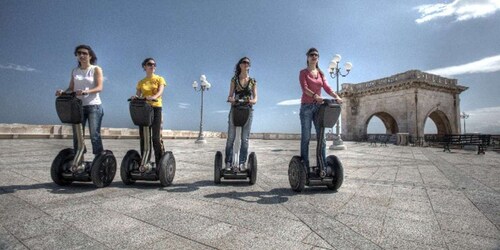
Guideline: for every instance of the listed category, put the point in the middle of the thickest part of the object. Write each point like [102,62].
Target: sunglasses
[151,64]
[245,62]
[314,55]
[82,53]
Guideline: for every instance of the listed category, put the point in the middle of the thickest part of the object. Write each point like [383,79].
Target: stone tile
[398,243]
[368,227]
[174,221]
[477,225]
[36,227]
[411,205]
[67,239]
[411,230]
[13,209]
[316,241]
[452,202]
[8,241]
[467,241]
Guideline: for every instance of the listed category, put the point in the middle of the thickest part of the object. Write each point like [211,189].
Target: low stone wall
[26,131]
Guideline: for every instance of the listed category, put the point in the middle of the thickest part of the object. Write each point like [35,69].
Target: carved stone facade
[403,102]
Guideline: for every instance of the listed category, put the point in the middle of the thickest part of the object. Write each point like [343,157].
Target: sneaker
[228,166]
[243,167]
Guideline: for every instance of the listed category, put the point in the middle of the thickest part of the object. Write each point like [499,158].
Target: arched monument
[403,102]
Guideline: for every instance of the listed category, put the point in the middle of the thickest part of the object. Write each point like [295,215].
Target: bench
[479,140]
[380,138]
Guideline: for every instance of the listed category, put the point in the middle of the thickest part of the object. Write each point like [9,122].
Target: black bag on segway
[141,112]
[240,115]
[69,109]
[328,113]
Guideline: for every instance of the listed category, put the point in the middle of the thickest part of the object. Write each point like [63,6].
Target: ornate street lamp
[204,85]
[334,71]
[464,116]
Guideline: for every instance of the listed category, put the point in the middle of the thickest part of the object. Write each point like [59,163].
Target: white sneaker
[228,166]
[243,167]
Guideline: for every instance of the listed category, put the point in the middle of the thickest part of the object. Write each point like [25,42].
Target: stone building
[403,102]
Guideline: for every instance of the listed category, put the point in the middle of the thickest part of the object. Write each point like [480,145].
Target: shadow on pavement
[74,188]
[274,196]
[188,187]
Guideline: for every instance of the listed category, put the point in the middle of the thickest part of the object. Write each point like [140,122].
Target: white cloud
[461,10]
[289,102]
[483,120]
[221,111]
[17,67]
[485,65]
[183,105]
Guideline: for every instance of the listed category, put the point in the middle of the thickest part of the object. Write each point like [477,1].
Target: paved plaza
[392,197]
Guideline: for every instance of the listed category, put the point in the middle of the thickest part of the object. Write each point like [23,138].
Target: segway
[241,111]
[329,173]
[69,166]
[137,166]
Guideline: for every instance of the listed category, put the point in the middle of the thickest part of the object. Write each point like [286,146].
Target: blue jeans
[231,135]
[93,114]
[308,115]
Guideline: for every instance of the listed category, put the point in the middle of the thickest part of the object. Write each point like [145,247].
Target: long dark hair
[93,57]
[147,60]
[237,69]
[307,62]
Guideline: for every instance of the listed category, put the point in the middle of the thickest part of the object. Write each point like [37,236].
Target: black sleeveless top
[243,92]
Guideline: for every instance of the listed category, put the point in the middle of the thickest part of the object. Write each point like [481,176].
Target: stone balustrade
[27,131]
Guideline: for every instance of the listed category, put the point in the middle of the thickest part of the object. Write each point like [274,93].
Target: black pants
[155,131]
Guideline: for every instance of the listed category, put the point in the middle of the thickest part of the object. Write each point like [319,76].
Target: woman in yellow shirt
[151,87]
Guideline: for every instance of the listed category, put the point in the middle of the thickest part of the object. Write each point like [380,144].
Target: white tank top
[84,80]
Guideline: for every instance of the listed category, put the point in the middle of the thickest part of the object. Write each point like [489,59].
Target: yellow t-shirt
[150,86]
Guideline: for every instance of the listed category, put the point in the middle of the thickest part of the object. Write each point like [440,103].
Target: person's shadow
[188,187]
[274,196]
[73,188]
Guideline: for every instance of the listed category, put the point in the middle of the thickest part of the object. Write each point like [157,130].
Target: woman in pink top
[312,80]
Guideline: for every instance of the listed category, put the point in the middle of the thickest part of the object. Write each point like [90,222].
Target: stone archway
[441,121]
[410,98]
[390,124]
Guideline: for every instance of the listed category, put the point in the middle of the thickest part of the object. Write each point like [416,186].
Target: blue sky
[459,39]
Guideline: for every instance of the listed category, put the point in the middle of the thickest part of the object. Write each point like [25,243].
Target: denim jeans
[93,114]
[231,135]
[308,115]
[155,131]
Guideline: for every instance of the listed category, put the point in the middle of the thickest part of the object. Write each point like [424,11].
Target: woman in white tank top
[86,80]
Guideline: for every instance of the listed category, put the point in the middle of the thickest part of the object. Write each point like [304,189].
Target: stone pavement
[392,197]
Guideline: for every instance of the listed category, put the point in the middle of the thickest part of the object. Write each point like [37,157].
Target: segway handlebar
[330,102]
[141,99]
[70,93]
[241,102]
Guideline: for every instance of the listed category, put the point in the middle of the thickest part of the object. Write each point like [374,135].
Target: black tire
[62,163]
[131,161]
[217,167]
[167,169]
[252,168]
[337,171]
[103,169]
[297,174]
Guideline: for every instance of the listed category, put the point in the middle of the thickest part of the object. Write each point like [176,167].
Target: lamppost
[334,71]
[464,116]
[204,85]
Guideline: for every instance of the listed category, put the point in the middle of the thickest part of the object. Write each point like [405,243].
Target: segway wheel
[131,161]
[252,167]
[61,164]
[297,174]
[337,171]
[167,169]
[103,169]
[217,167]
